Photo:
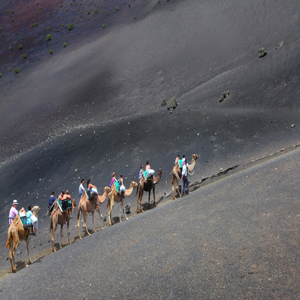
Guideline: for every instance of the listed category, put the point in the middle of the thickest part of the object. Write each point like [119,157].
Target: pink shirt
[12,214]
[112,181]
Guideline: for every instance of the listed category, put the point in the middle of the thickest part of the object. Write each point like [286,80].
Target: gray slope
[236,238]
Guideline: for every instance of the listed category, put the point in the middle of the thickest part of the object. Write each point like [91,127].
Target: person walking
[185,181]
[81,188]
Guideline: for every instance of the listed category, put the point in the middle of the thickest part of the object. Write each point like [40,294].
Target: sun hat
[15,202]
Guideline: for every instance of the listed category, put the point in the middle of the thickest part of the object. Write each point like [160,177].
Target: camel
[113,197]
[89,206]
[16,233]
[176,174]
[146,185]
[59,218]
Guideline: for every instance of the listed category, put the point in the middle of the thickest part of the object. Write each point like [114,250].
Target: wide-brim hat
[15,202]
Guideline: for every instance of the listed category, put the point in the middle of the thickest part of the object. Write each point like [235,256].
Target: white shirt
[81,188]
[184,170]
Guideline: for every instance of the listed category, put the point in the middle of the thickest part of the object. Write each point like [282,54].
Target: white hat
[15,202]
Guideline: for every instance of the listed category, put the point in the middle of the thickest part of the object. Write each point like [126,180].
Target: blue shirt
[29,213]
[51,200]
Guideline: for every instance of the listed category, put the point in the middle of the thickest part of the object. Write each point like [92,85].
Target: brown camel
[16,233]
[146,185]
[176,174]
[89,206]
[113,197]
[58,217]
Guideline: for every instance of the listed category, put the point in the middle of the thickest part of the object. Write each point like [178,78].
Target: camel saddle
[65,205]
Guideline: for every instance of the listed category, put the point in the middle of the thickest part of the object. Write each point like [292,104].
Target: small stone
[293,126]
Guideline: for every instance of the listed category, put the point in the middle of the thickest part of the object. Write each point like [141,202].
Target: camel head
[107,189]
[195,156]
[133,184]
[36,210]
[159,172]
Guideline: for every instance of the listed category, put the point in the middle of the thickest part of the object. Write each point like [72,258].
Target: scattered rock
[293,126]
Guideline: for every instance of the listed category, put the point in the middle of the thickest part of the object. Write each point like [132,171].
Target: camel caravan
[24,224]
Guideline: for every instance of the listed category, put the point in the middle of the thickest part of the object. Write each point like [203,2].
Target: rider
[113,179]
[81,188]
[13,212]
[92,190]
[121,185]
[51,201]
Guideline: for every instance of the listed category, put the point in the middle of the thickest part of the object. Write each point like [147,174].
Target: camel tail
[8,239]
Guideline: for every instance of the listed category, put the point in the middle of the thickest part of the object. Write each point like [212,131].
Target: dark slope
[235,239]
[223,138]
[193,50]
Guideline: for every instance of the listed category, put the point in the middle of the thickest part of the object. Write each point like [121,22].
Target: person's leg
[182,188]
[187,186]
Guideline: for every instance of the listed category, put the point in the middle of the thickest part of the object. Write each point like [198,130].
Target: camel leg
[154,202]
[94,228]
[123,206]
[141,207]
[173,190]
[61,230]
[98,210]
[28,252]
[84,222]
[52,237]
[149,199]
[177,188]
[111,204]
[120,207]
[138,202]
[68,223]
[11,258]
[15,237]
[78,223]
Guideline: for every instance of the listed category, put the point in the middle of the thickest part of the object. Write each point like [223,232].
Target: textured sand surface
[95,108]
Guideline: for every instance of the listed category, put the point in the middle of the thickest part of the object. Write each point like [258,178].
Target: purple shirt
[12,214]
[112,182]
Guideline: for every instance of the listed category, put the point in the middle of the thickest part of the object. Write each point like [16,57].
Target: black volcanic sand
[193,50]
[223,138]
[235,239]
[96,108]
